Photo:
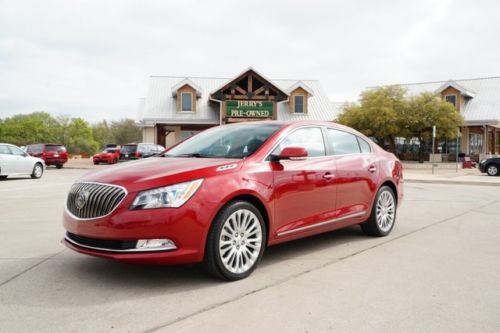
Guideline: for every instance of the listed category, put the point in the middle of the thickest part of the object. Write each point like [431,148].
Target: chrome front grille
[92,200]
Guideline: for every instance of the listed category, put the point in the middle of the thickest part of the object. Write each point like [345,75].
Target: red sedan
[108,155]
[224,195]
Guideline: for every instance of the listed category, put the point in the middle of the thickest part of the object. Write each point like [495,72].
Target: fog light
[155,244]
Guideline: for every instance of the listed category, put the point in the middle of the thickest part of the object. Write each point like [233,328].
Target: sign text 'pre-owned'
[250,109]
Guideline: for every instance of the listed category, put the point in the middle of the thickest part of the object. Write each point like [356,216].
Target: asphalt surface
[438,271]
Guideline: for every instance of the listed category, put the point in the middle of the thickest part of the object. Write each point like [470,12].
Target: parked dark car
[135,151]
[490,166]
[222,196]
[51,153]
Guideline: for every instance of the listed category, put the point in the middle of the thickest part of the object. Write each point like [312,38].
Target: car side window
[309,138]
[343,143]
[365,146]
[16,151]
[4,150]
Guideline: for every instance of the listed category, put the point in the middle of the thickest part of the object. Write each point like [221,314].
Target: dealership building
[478,100]
[178,107]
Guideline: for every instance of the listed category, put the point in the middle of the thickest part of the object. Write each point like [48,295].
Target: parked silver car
[16,162]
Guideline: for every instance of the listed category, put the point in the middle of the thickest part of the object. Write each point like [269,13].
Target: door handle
[328,176]
[372,168]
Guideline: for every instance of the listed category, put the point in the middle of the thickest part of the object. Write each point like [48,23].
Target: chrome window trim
[100,217]
[319,224]
[165,248]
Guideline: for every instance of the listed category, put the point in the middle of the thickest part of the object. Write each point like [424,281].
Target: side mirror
[290,153]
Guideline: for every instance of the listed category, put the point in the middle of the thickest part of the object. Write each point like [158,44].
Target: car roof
[300,123]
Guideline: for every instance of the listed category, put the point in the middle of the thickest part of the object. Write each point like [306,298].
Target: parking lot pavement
[438,271]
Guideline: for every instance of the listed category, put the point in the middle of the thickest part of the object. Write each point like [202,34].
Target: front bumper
[186,227]
[179,256]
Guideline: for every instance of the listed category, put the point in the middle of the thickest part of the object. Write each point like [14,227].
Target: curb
[451,182]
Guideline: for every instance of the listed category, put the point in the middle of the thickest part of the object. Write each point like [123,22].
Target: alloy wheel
[492,170]
[38,171]
[385,211]
[240,241]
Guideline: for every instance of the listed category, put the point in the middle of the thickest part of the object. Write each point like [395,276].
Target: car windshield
[129,149]
[232,141]
[57,148]
[109,150]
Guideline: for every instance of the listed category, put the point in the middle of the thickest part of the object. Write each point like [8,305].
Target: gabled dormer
[455,94]
[299,97]
[186,93]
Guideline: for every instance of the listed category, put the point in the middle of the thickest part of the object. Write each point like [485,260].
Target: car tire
[59,166]
[492,170]
[37,171]
[383,214]
[235,242]
[3,177]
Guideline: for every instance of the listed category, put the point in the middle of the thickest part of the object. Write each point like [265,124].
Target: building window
[187,101]
[298,104]
[475,143]
[451,99]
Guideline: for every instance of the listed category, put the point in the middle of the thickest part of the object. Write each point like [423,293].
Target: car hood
[159,171]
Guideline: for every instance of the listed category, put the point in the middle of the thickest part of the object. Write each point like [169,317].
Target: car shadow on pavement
[179,278]
[71,279]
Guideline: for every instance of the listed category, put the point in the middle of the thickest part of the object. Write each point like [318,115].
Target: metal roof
[484,104]
[160,106]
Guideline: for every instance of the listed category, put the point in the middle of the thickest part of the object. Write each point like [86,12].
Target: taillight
[137,154]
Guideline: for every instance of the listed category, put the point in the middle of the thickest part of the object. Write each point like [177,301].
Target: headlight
[169,196]
[482,161]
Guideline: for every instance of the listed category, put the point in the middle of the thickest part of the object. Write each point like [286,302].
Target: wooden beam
[250,82]
[241,90]
[258,91]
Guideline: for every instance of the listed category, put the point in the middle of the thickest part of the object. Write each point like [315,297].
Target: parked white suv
[16,162]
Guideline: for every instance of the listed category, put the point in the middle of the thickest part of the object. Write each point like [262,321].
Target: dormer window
[186,93]
[451,99]
[187,101]
[298,103]
[299,95]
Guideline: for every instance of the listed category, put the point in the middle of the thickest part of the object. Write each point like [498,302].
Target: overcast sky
[93,58]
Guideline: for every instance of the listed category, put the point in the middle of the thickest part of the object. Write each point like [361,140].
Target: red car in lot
[51,153]
[108,155]
[222,196]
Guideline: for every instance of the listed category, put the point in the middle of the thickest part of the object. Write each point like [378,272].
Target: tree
[80,137]
[24,129]
[125,131]
[378,114]
[385,113]
[425,111]
[102,133]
